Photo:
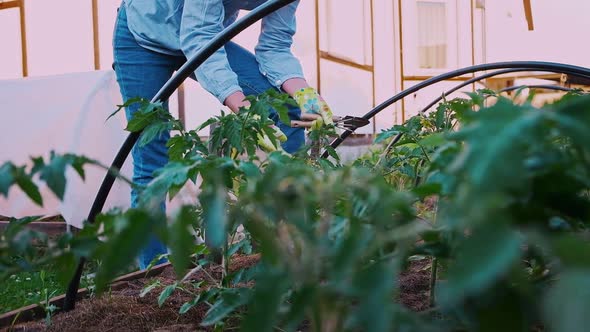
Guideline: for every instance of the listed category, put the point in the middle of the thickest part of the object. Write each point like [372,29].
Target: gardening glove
[313,107]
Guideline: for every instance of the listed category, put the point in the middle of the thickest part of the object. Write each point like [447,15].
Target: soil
[124,310]
[414,285]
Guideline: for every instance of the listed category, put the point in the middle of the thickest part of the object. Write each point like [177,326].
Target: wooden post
[528,12]
[20,4]
[23,38]
[181,105]
[95,34]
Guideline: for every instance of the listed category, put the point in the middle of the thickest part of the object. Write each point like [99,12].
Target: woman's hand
[313,107]
[236,100]
[314,111]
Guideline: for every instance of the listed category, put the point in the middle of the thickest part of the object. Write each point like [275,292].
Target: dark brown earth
[124,310]
[414,284]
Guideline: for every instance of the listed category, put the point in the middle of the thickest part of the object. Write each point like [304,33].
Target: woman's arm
[273,51]
[201,21]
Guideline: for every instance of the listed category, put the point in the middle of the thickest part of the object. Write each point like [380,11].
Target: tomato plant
[495,193]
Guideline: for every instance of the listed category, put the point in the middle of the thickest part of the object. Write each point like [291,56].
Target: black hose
[466,83]
[164,94]
[521,65]
[477,79]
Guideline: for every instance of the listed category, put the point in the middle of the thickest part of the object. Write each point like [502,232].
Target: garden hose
[474,80]
[520,65]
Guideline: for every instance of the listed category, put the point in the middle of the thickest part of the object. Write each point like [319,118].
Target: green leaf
[266,238]
[177,147]
[262,311]
[181,241]
[332,152]
[38,165]
[512,129]
[481,259]
[381,137]
[126,104]
[132,233]
[78,163]
[207,123]
[213,202]
[150,288]
[250,170]
[174,174]
[54,174]
[568,301]
[141,120]
[188,305]
[6,177]
[572,251]
[165,294]
[375,287]
[300,300]
[153,131]
[433,140]
[427,189]
[66,265]
[229,301]
[28,187]
[283,113]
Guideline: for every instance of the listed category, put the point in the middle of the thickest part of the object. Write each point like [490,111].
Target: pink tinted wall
[559,35]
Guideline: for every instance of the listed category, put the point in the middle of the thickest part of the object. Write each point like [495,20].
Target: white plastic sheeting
[67,114]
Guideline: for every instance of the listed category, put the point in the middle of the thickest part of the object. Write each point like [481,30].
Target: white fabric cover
[65,113]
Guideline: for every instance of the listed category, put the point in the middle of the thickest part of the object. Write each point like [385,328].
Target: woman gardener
[153,38]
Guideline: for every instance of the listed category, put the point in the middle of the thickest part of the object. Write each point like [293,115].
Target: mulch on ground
[125,310]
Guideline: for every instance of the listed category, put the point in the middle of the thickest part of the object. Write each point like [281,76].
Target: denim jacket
[183,27]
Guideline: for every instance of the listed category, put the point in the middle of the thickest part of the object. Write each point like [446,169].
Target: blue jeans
[142,72]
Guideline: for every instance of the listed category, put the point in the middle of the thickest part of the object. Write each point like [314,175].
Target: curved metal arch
[466,83]
[521,65]
[164,94]
[474,80]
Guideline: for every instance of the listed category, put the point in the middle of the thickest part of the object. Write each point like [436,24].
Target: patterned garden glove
[310,102]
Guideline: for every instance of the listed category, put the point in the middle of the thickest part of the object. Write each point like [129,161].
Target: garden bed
[123,309]
[50,225]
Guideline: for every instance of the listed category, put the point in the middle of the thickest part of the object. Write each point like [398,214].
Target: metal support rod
[164,94]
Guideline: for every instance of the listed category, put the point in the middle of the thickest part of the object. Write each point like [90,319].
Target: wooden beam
[9,4]
[23,38]
[20,4]
[528,12]
[336,59]
[95,34]
[318,67]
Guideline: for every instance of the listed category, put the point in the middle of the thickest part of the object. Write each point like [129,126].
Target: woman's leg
[141,73]
[244,64]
